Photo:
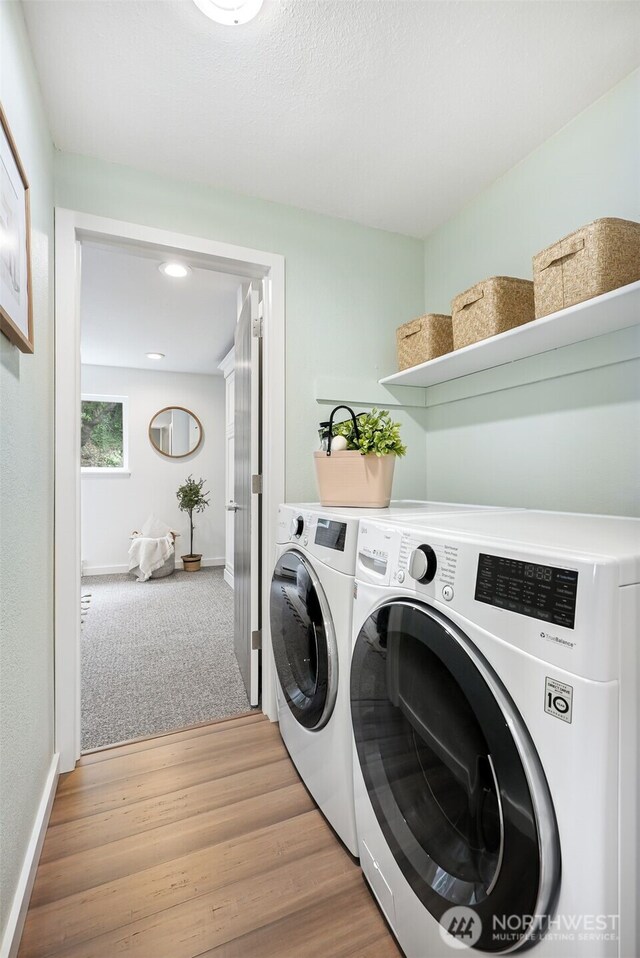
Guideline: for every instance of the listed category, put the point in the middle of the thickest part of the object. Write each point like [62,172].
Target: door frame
[71,228]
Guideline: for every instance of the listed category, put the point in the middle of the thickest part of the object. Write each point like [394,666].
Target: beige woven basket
[593,260]
[423,338]
[350,479]
[491,307]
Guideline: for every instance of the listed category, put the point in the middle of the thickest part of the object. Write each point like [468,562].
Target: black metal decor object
[353,419]
[324,433]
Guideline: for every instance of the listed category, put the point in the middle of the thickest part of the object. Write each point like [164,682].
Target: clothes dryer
[494,697]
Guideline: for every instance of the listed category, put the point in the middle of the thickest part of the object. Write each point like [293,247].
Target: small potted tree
[192,499]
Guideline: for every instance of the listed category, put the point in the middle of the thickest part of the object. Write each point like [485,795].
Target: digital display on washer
[331,534]
[539,591]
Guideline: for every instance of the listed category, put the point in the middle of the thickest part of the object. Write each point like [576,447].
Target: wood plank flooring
[201,843]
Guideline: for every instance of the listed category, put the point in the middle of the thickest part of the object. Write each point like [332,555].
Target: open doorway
[143,646]
[157,646]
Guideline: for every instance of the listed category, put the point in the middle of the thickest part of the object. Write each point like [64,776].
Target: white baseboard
[228,577]
[18,913]
[113,569]
[104,569]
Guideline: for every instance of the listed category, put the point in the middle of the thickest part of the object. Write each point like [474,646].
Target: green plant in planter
[192,499]
[379,435]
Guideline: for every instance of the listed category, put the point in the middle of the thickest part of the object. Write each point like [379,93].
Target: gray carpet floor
[157,656]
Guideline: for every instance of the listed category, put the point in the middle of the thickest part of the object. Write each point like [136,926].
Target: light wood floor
[200,843]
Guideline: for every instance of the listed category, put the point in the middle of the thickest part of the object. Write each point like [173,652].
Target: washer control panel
[423,564]
[428,564]
[555,604]
[539,591]
[389,556]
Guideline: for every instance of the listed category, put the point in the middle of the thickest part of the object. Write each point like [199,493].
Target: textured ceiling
[392,113]
[129,308]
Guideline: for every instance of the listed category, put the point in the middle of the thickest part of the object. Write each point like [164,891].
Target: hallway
[204,842]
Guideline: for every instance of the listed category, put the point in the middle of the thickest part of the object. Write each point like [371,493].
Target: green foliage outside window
[102,441]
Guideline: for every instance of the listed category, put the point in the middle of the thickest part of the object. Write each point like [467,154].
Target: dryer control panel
[332,540]
[330,533]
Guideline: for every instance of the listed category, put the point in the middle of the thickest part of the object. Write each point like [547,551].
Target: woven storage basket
[168,568]
[423,338]
[593,260]
[491,307]
[169,565]
[348,478]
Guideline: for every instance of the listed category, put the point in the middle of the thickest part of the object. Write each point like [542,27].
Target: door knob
[232,507]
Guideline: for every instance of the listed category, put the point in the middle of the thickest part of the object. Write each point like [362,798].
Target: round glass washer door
[303,640]
[453,776]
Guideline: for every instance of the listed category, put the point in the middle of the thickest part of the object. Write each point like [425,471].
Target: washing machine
[494,687]
[310,614]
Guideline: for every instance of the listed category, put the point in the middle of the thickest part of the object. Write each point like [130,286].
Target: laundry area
[320,439]
[456,672]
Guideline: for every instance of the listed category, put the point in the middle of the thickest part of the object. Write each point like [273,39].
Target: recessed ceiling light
[231,13]
[155,355]
[175,270]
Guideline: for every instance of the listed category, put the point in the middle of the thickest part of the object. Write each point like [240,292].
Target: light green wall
[26,488]
[347,288]
[572,441]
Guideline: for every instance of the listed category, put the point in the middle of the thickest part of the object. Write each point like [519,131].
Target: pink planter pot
[351,479]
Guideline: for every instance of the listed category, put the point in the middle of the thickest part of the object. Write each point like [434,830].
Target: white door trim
[71,227]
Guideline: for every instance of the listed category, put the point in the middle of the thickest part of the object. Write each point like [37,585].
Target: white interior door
[229,485]
[247,525]
[229,515]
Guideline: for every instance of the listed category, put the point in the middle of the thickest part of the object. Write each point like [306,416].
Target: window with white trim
[104,434]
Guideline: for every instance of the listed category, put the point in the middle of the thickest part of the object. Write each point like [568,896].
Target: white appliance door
[453,776]
[303,640]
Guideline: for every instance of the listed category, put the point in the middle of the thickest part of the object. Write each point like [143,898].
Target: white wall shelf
[595,317]
[332,390]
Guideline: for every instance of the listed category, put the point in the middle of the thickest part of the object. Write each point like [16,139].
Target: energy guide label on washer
[558,699]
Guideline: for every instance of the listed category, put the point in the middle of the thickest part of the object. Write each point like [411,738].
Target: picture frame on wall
[16,308]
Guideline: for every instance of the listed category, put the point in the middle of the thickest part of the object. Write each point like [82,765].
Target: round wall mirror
[175,432]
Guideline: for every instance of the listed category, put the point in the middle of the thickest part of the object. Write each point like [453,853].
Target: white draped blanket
[147,554]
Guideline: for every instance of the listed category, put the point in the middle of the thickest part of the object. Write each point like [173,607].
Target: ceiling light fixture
[155,355]
[175,270]
[231,13]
